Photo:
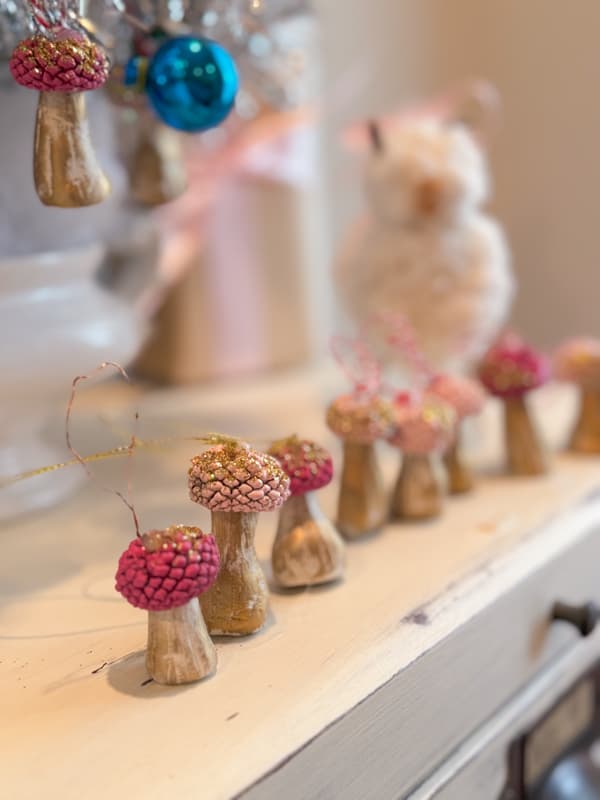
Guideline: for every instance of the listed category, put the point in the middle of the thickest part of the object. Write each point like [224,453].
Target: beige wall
[544,55]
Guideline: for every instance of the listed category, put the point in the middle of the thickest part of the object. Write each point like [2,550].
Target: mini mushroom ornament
[62,66]
[164,572]
[578,361]
[156,163]
[360,420]
[236,483]
[467,398]
[307,550]
[424,428]
[510,370]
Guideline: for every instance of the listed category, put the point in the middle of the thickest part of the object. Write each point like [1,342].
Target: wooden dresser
[409,680]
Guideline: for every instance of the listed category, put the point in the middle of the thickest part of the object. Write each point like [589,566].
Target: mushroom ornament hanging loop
[61,63]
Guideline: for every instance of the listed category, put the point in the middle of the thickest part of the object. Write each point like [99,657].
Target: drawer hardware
[584,618]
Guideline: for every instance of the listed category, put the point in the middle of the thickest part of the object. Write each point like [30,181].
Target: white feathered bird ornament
[425,249]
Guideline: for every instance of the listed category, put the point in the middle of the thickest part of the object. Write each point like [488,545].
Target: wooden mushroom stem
[157,171]
[362,504]
[460,476]
[236,604]
[308,549]
[65,168]
[179,647]
[586,434]
[418,493]
[524,451]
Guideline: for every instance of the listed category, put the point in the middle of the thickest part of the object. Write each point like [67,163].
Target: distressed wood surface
[66,171]
[179,649]
[418,493]
[238,602]
[362,501]
[417,644]
[307,549]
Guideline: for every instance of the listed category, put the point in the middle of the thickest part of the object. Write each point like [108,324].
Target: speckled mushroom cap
[361,419]
[578,361]
[423,427]
[465,395]
[511,368]
[166,569]
[308,465]
[233,477]
[69,63]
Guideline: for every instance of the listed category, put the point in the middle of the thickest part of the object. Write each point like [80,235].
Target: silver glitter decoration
[273,42]
[15,24]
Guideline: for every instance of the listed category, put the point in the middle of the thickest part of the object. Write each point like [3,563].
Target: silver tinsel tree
[272,41]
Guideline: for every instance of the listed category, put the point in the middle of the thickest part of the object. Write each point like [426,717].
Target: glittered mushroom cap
[578,361]
[360,418]
[69,64]
[465,395]
[166,569]
[308,465]
[511,368]
[423,427]
[237,478]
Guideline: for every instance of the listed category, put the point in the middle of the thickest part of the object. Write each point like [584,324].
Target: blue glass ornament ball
[191,83]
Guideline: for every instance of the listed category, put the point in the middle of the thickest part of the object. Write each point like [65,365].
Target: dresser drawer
[485,767]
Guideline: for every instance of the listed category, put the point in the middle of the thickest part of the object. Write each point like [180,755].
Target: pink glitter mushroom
[68,64]
[510,370]
[577,361]
[467,398]
[166,569]
[307,549]
[237,479]
[359,420]
[424,428]
[164,572]
[308,465]
[236,483]
[62,68]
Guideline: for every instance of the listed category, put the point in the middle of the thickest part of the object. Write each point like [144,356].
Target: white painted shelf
[354,691]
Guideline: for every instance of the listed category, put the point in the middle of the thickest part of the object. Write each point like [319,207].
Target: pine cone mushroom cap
[512,368]
[236,478]
[166,569]
[71,64]
[465,395]
[359,418]
[308,465]
[423,427]
[578,361]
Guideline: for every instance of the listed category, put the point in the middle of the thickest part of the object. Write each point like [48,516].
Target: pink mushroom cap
[233,477]
[465,395]
[511,368]
[359,418]
[423,427]
[166,569]
[578,361]
[66,64]
[308,465]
